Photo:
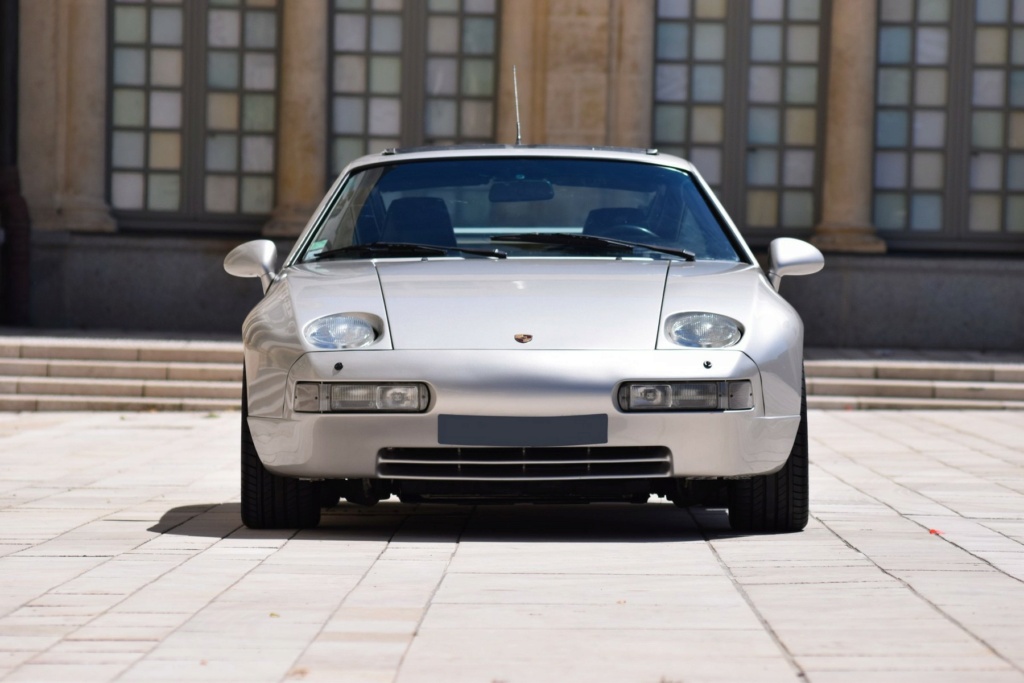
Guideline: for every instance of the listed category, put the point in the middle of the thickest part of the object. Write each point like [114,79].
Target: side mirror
[253,259]
[793,257]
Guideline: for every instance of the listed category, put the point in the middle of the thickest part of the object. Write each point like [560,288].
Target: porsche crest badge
[524,338]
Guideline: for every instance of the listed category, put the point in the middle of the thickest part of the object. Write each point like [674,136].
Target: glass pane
[129,66]
[670,82]
[891,129]
[805,10]
[224,28]
[261,30]
[258,154]
[766,43]
[222,111]
[350,74]
[991,11]
[443,5]
[165,68]
[710,9]
[260,71]
[929,129]
[130,25]
[441,79]
[762,167]
[766,10]
[985,214]
[765,84]
[440,118]
[932,45]
[797,209]
[165,109]
[669,123]
[890,170]
[801,126]
[708,83]
[385,116]
[478,77]
[221,194]
[707,124]
[897,10]
[164,192]
[257,195]
[385,75]
[126,190]
[129,108]
[673,9]
[709,42]
[988,87]
[1015,172]
[987,129]
[478,36]
[802,84]
[1015,214]
[350,4]
[928,171]
[221,152]
[926,212]
[893,45]
[762,208]
[990,45]
[798,168]
[346,150]
[479,6]
[258,113]
[987,172]
[894,86]
[1016,136]
[165,151]
[128,150]
[347,114]
[386,34]
[709,161]
[1017,46]
[802,44]
[935,11]
[349,33]
[1017,89]
[166,26]
[222,70]
[673,40]
[477,119]
[930,88]
[443,35]
[763,126]
[387,5]
[890,211]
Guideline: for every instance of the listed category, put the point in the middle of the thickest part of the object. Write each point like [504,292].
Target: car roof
[399,155]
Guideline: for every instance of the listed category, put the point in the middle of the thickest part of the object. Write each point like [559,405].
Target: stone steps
[51,373]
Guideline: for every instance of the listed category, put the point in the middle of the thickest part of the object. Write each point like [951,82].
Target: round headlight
[340,332]
[703,330]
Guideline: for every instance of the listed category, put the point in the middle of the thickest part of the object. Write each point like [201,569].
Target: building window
[411,72]
[739,90]
[949,128]
[193,110]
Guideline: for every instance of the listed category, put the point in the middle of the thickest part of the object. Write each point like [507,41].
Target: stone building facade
[154,135]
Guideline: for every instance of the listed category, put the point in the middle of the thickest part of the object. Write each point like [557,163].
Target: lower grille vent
[521,464]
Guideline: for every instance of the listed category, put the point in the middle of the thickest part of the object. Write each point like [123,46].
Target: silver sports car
[518,323]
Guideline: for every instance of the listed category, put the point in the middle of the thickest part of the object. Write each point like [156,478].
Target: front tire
[775,503]
[270,501]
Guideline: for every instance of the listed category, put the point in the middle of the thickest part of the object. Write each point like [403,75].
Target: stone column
[302,137]
[849,142]
[631,76]
[523,45]
[62,113]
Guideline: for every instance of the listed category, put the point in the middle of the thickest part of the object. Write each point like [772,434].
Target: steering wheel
[629,232]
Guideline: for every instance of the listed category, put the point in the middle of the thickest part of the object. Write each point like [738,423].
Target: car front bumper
[514,392]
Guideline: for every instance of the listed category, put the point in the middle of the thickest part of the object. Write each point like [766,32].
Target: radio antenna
[515,90]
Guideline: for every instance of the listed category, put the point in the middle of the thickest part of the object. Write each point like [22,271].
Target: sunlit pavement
[122,557]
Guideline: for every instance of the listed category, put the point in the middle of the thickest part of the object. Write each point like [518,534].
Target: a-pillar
[302,138]
[849,149]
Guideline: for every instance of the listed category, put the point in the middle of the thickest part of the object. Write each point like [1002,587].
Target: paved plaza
[122,557]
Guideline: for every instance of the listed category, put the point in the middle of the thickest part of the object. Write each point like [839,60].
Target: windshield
[512,206]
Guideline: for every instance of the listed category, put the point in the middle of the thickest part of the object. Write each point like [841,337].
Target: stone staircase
[40,373]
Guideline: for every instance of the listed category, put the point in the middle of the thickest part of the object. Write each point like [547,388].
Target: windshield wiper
[401,249]
[590,240]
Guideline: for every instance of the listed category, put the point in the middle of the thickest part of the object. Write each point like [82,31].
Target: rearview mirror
[253,259]
[793,257]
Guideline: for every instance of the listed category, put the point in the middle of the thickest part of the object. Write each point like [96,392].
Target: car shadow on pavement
[397,522]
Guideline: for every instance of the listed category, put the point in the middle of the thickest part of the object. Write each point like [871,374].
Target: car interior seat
[419,220]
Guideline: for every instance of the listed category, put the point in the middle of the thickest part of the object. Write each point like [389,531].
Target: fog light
[360,397]
[650,396]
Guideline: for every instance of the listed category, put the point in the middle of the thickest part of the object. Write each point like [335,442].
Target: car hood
[550,304]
